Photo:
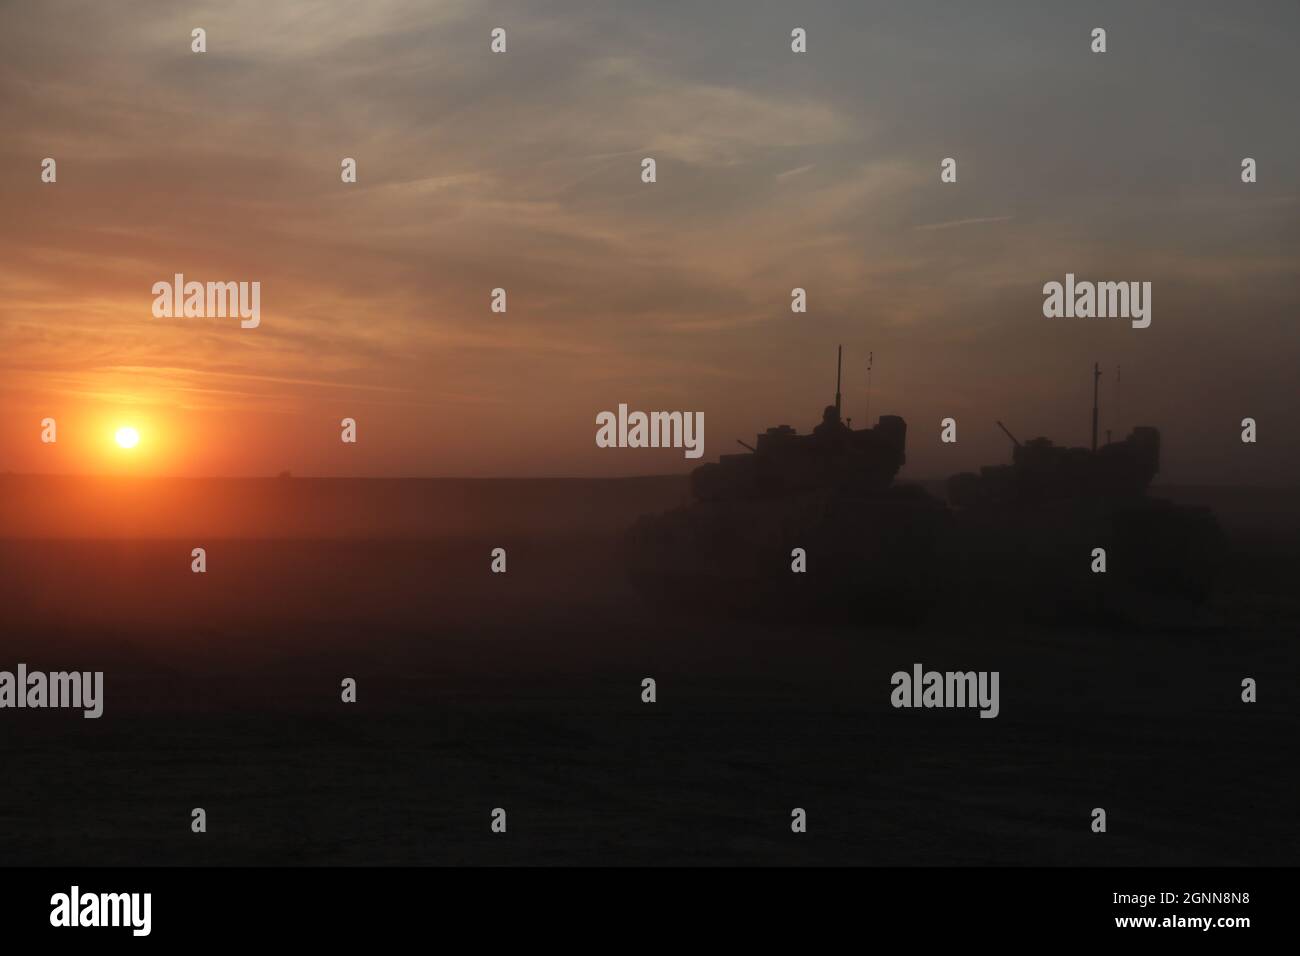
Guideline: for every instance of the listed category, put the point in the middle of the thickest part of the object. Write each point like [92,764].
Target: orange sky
[522,171]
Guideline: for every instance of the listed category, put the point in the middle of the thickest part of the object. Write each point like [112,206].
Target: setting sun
[128,437]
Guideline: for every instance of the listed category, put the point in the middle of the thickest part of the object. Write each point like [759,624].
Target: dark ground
[522,691]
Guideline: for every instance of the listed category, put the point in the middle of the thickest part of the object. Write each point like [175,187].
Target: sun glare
[127,437]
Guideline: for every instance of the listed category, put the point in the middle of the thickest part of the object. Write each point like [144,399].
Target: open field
[522,691]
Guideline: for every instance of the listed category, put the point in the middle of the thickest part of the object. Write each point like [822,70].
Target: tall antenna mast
[870,358]
[1096,378]
[839,363]
[1119,401]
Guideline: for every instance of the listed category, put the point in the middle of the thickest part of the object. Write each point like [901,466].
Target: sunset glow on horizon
[804,172]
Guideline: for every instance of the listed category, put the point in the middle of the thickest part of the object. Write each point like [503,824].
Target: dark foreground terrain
[522,691]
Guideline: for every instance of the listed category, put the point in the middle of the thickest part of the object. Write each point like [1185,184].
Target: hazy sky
[522,170]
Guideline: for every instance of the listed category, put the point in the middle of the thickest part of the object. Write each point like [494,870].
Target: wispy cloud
[957,223]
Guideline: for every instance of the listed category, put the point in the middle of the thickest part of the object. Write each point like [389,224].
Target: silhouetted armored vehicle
[866,543]
[783,463]
[1033,527]
[1041,471]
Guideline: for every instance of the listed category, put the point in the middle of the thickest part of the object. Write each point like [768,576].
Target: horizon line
[1282,486]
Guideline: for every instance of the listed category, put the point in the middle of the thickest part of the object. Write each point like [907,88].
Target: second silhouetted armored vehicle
[1069,530]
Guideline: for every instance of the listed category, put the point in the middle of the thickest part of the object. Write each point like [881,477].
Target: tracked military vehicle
[1033,530]
[825,499]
